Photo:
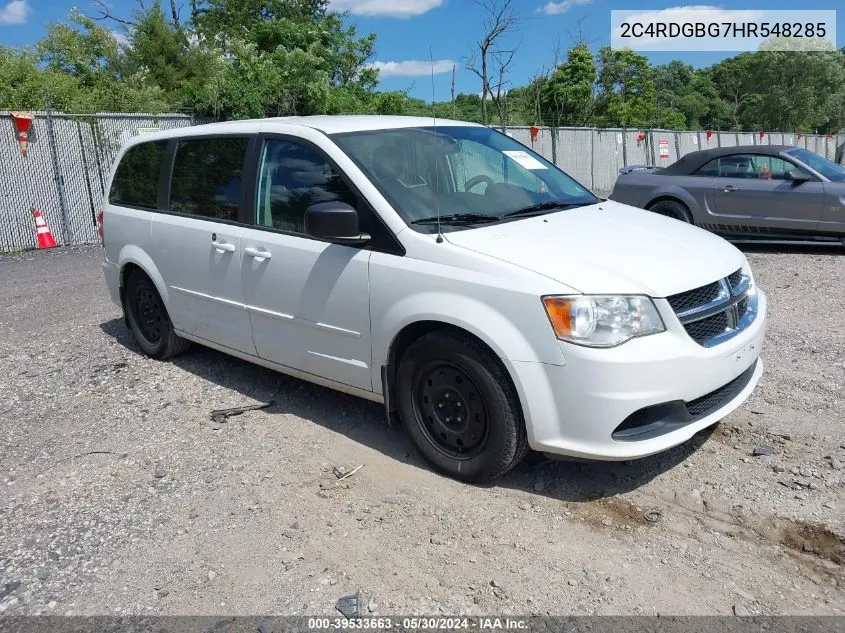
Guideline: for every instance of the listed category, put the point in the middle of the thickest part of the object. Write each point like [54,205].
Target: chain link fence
[64,173]
[69,157]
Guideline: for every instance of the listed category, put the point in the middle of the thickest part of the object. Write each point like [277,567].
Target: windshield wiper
[543,207]
[458,218]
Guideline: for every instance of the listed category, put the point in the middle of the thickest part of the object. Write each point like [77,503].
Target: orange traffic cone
[45,238]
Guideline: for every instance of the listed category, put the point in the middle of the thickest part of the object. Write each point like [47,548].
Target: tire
[460,408]
[672,209]
[148,319]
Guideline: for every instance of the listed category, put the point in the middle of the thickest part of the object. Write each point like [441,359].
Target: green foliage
[567,96]
[626,89]
[233,59]
[80,65]
[281,57]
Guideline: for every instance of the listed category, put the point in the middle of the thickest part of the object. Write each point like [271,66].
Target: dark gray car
[766,193]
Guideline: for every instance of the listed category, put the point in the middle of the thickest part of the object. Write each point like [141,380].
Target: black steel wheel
[148,319]
[459,406]
[150,313]
[450,411]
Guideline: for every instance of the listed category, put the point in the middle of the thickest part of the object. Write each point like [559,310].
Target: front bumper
[575,409]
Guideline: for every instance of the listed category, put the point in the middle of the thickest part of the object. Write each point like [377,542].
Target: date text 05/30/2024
[417,624]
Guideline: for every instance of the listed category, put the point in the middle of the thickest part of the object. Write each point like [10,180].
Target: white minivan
[490,301]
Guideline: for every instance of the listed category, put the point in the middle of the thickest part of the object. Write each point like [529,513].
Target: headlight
[602,321]
[746,271]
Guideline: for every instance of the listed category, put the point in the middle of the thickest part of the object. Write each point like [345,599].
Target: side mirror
[335,222]
[796,177]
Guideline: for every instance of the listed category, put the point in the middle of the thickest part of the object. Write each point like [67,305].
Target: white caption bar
[706,28]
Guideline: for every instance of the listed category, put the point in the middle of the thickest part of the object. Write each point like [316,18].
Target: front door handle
[729,188]
[223,247]
[258,254]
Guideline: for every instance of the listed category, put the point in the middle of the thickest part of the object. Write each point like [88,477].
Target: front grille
[735,278]
[703,330]
[716,399]
[684,301]
[711,311]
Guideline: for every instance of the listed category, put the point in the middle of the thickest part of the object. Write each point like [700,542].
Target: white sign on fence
[664,148]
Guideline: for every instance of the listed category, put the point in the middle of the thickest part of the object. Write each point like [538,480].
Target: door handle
[223,247]
[258,254]
[729,188]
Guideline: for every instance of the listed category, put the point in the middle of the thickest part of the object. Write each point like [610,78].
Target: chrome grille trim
[731,311]
[695,313]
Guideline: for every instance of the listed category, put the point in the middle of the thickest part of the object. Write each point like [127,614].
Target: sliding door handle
[258,254]
[223,247]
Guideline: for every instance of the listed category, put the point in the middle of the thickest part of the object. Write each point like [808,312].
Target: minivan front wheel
[459,407]
[148,319]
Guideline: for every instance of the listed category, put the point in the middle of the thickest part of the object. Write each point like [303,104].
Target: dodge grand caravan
[491,302]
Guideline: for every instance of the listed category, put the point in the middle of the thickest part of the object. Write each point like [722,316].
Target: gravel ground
[120,496]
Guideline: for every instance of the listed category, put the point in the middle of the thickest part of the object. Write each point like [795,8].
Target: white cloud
[15,12]
[389,8]
[553,8]
[413,68]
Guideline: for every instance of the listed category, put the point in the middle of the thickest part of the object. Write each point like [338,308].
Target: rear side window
[207,177]
[710,169]
[135,182]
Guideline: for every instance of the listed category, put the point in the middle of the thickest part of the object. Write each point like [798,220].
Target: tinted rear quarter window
[207,177]
[135,182]
[709,169]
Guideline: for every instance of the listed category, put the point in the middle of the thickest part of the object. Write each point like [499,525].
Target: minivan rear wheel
[459,407]
[148,319]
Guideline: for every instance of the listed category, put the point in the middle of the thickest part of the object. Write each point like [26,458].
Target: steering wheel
[476,180]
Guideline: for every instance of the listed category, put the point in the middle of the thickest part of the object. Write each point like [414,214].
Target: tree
[279,57]
[81,49]
[626,86]
[798,90]
[163,49]
[501,19]
[252,58]
[237,58]
[567,96]
[306,25]
[82,65]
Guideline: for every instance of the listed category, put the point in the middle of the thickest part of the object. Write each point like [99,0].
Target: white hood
[608,248]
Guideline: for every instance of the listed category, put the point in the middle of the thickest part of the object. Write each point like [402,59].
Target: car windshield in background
[826,168]
[471,175]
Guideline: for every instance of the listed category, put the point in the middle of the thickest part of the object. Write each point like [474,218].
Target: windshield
[826,168]
[470,174]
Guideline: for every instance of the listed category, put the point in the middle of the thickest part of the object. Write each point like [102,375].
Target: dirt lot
[119,496]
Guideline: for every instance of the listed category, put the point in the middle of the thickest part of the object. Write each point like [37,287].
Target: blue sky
[408,29]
